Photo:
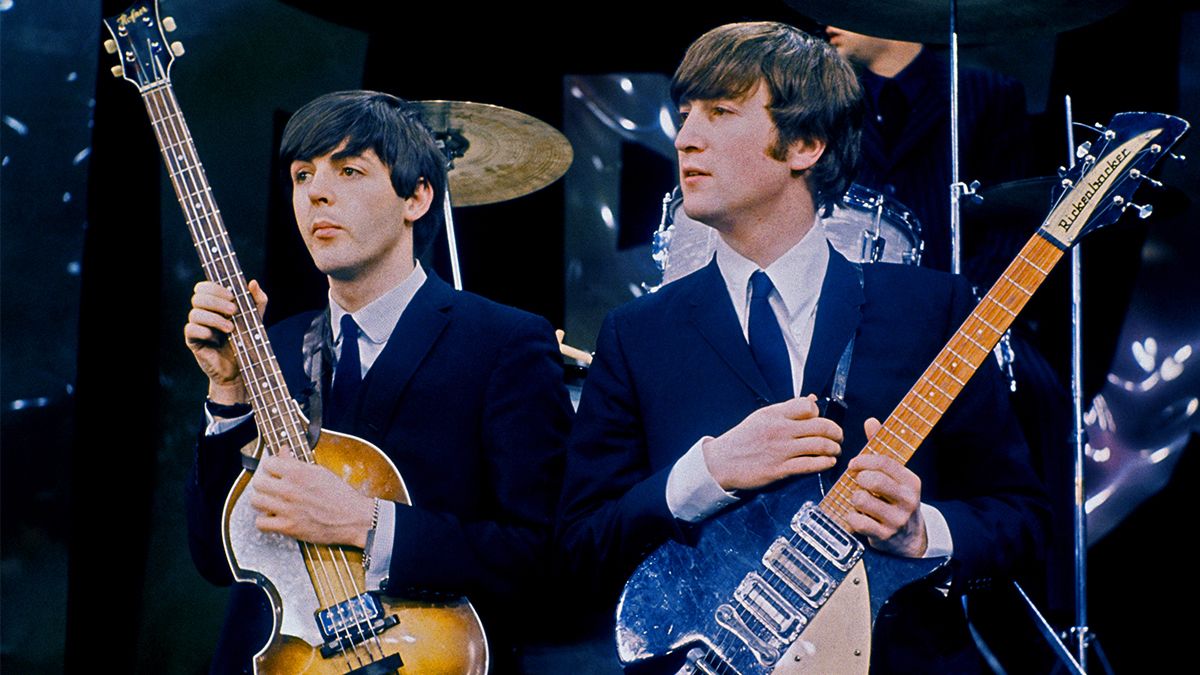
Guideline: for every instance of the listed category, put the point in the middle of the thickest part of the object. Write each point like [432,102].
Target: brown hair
[814,93]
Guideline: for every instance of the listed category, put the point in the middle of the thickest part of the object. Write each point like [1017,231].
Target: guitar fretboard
[277,414]
[921,408]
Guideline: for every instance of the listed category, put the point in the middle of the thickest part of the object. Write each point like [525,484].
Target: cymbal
[498,154]
[979,21]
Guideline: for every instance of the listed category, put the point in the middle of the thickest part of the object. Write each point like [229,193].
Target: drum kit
[495,154]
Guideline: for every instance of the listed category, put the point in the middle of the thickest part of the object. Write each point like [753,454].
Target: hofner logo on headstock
[1093,185]
[126,19]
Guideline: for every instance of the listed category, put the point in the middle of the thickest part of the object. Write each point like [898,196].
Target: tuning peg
[168,24]
[110,46]
[117,71]
[1138,175]
[1182,158]
[1083,149]
[177,48]
[1143,212]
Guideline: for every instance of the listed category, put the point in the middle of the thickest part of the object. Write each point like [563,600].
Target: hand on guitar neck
[887,505]
[207,335]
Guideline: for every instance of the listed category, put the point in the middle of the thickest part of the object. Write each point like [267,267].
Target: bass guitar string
[173,136]
[284,405]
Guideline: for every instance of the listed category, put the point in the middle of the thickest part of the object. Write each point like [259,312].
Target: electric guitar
[777,584]
[325,620]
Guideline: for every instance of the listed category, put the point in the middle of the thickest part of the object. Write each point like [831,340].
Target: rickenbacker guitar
[777,584]
[325,619]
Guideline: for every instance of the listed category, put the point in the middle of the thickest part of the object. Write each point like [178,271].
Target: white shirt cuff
[937,533]
[381,546]
[692,493]
[214,426]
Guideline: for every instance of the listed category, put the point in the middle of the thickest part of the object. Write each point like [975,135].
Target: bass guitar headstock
[1100,187]
[138,37]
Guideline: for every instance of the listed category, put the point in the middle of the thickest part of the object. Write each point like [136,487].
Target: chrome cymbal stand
[958,190]
[453,146]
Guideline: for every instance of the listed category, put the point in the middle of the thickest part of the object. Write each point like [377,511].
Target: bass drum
[865,227]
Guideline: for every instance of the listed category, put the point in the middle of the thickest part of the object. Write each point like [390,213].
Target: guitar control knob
[168,24]
[117,71]
[177,48]
[110,46]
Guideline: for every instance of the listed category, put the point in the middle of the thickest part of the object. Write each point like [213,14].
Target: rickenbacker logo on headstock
[1070,215]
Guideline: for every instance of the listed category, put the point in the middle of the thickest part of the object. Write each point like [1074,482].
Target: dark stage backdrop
[100,399]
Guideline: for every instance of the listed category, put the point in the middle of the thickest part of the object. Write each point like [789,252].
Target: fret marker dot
[214,249]
[199,205]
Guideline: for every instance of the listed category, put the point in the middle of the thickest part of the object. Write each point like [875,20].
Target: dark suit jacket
[467,399]
[674,366]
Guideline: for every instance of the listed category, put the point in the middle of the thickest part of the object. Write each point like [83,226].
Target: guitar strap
[317,351]
[833,407]
[837,388]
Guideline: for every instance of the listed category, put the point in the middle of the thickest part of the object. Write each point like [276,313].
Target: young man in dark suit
[702,393]
[463,395]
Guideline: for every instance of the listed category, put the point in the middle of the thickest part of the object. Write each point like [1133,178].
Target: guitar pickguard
[257,555]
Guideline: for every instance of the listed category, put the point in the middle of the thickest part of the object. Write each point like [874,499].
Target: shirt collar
[378,318]
[792,274]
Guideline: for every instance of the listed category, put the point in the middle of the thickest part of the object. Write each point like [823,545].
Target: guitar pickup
[770,607]
[800,574]
[825,535]
[350,622]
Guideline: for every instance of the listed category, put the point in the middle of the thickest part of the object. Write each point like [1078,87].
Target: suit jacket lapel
[419,327]
[839,312]
[713,316]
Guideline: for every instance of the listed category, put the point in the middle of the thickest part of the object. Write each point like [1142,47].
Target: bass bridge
[351,622]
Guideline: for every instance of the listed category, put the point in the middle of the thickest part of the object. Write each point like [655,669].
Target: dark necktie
[348,373]
[766,339]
